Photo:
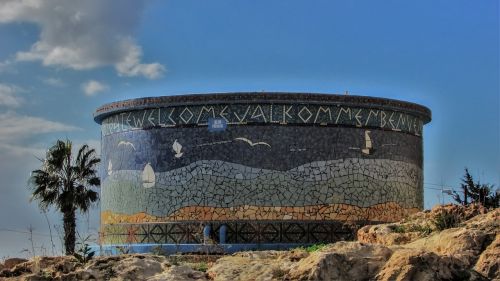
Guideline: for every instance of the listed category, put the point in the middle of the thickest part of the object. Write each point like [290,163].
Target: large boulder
[488,263]
[411,264]
[418,225]
[258,265]
[385,234]
[124,267]
[469,250]
[349,261]
[10,263]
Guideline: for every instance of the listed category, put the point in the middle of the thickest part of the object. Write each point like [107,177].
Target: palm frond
[64,183]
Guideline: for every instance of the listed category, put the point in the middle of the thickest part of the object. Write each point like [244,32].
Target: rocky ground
[447,243]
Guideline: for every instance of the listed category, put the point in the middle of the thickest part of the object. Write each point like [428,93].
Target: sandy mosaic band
[337,212]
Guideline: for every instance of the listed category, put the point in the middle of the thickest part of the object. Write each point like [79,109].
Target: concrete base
[170,249]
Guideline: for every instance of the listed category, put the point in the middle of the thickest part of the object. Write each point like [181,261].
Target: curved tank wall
[268,167]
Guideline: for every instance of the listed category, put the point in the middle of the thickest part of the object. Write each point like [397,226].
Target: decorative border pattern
[238,232]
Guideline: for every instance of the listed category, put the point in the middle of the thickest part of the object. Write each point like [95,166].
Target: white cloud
[130,65]
[15,127]
[16,150]
[92,87]
[5,66]
[83,34]
[55,82]
[9,97]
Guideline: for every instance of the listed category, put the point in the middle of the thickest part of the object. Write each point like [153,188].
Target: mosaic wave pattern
[284,168]
[212,183]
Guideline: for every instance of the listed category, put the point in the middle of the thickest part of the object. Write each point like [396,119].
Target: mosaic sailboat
[368,143]
[148,176]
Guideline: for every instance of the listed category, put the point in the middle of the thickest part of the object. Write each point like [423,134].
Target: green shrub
[424,229]
[202,266]
[312,248]
[83,253]
[398,228]
[445,220]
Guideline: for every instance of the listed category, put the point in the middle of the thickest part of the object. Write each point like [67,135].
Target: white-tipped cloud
[92,87]
[9,97]
[15,126]
[83,34]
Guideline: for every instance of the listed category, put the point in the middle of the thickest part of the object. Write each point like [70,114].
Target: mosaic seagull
[176,146]
[110,168]
[252,143]
[126,143]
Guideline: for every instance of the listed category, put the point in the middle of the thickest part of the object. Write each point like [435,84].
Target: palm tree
[65,183]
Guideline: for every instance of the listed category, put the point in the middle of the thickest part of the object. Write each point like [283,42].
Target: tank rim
[116,107]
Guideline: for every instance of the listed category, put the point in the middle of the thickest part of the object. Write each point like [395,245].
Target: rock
[348,261]
[384,235]
[17,270]
[466,242]
[179,273]
[62,264]
[469,251]
[411,264]
[10,263]
[417,226]
[125,267]
[488,263]
[261,265]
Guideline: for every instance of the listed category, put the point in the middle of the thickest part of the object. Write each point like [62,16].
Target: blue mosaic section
[268,147]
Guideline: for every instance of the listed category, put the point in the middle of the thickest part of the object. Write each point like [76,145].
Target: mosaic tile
[284,168]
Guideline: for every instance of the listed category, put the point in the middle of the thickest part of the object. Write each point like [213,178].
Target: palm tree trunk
[69,221]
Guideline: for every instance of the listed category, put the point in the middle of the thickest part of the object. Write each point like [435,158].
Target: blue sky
[59,60]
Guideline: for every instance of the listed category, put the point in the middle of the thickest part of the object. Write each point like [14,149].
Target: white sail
[368,143]
[177,147]
[368,140]
[148,176]
[110,168]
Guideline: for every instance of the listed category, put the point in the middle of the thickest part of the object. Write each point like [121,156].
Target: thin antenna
[442,191]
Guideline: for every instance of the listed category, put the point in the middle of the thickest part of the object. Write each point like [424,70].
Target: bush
[424,229]
[312,248]
[398,228]
[445,220]
[475,192]
[84,253]
[202,266]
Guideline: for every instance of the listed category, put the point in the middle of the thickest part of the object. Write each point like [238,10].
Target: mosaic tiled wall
[295,180]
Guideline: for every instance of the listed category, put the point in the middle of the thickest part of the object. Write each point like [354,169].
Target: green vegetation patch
[312,248]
